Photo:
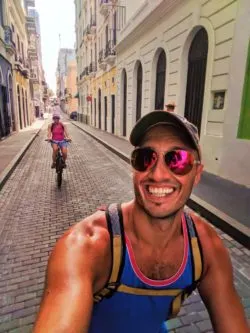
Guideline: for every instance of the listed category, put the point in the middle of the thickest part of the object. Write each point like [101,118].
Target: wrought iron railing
[92,67]
[110,49]
[101,56]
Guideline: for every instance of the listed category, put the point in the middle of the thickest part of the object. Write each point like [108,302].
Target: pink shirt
[57,132]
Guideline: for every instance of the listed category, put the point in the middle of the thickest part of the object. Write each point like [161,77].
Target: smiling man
[129,269]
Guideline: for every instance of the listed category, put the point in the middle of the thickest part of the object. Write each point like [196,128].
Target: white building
[196,53]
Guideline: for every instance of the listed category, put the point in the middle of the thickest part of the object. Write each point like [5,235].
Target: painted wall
[173,30]
[235,157]
[71,85]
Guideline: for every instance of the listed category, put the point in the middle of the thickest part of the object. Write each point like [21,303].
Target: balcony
[104,4]
[101,60]
[110,53]
[34,78]
[9,44]
[19,62]
[92,69]
[84,73]
[32,53]
[86,69]
[87,33]
[26,69]
[93,24]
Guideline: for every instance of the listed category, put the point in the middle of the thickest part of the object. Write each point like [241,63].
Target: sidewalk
[14,147]
[223,202]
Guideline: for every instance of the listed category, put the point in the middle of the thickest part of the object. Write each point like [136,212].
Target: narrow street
[34,214]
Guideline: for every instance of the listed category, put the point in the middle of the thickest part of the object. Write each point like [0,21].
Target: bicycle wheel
[59,179]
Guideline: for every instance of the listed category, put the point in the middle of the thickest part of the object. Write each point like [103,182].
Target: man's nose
[160,170]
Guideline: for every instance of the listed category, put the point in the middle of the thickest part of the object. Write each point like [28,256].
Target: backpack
[118,246]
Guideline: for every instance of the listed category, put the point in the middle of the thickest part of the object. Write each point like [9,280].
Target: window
[1,13]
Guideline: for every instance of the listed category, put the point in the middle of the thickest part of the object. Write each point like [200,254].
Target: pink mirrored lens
[179,162]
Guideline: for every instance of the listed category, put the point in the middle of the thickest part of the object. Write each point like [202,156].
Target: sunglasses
[55,118]
[179,161]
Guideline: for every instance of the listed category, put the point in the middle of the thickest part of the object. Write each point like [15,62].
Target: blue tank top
[131,309]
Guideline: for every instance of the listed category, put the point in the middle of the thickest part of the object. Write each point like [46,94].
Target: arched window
[139,92]
[160,81]
[197,63]
[124,103]
[19,107]
[26,108]
[100,107]
[11,98]
[24,112]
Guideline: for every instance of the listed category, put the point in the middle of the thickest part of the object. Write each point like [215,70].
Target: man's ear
[198,174]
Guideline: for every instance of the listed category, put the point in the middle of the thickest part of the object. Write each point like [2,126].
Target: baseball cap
[155,118]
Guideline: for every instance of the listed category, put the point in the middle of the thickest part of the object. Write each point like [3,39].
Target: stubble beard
[170,216]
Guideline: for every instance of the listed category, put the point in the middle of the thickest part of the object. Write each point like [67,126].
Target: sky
[56,17]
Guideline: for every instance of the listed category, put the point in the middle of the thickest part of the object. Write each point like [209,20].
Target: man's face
[150,185]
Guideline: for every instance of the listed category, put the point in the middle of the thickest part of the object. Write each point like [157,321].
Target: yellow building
[17,20]
[71,88]
[97,26]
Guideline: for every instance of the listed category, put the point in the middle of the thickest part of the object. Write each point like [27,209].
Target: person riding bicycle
[129,268]
[58,134]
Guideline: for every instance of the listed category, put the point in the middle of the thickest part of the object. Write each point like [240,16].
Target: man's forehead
[162,131]
[167,134]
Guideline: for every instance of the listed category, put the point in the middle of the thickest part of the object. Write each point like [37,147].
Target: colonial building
[8,118]
[97,26]
[196,53]
[65,56]
[17,20]
[21,73]
[71,99]
[38,87]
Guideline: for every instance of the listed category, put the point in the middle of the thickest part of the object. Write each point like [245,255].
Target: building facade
[17,19]
[71,99]
[65,56]
[8,118]
[197,54]
[97,27]
[17,37]
[38,86]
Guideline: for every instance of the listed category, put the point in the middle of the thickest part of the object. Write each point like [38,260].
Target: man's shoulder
[206,231]
[213,249]
[91,233]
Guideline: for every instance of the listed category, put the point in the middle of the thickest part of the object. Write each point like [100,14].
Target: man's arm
[72,278]
[217,288]
[66,132]
[49,133]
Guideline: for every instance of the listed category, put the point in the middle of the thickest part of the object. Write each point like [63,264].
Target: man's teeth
[160,192]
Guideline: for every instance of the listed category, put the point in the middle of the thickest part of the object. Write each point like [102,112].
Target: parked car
[73,115]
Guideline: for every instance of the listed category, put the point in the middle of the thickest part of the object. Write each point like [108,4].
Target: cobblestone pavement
[34,214]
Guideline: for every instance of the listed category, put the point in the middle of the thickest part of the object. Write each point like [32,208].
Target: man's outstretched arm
[67,302]
[217,288]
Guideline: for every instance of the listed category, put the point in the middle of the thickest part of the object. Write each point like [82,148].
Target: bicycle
[60,164]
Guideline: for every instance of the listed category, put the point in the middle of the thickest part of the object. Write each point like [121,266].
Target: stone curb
[4,176]
[227,224]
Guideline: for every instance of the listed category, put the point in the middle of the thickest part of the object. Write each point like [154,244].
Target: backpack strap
[196,250]
[115,226]
[197,267]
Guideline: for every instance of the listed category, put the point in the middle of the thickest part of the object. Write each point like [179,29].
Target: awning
[76,95]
